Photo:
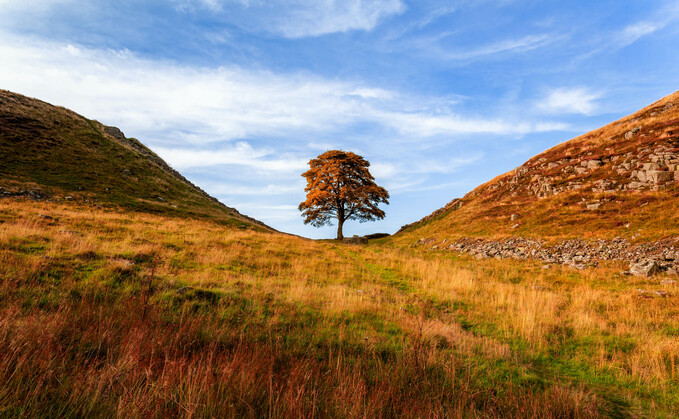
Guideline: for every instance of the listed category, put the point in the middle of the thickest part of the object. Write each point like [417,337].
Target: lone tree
[340,186]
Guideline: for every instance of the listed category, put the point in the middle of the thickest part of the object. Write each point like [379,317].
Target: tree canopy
[339,185]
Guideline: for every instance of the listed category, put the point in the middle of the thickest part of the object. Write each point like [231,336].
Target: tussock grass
[108,313]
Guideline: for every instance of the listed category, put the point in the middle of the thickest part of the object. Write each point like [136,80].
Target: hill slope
[619,180]
[49,152]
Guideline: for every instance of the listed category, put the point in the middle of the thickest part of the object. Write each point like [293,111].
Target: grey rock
[645,268]
[593,164]
[655,176]
[114,132]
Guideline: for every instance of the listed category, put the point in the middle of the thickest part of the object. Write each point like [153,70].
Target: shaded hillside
[619,180]
[53,153]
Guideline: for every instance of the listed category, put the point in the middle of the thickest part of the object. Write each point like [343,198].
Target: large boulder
[644,268]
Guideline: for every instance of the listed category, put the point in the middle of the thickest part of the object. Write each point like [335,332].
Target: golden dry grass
[110,313]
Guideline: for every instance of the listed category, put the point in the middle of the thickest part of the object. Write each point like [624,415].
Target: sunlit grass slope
[60,153]
[587,187]
[107,313]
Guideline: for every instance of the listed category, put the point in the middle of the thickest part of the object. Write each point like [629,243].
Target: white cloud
[662,17]
[231,189]
[301,18]
[526,43]
[570,101]
[242,154]
[438,45]
[419,125]
[320,17]
[634,32]
[32,4]
[165,102]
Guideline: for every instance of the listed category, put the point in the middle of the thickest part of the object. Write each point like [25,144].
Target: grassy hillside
[108,313]
[51,152]
[619,180]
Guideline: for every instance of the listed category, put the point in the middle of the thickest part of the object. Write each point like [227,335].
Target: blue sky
[439,96]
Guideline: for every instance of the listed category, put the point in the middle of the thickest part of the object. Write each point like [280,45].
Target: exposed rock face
[114,132]
[645,259]
[649,169]
[645,157]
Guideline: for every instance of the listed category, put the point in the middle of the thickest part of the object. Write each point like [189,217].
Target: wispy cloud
[241,154]
[569,101]
[634,32]
[301,18]
[271,189]
[443,46]
[166,102]
[518,45]
[419,125]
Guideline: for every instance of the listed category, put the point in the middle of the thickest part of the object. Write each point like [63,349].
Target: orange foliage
[339,185]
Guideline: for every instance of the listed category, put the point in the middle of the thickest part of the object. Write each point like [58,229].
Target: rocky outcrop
[644,158]
[115,132]
[645,259]
[648,169]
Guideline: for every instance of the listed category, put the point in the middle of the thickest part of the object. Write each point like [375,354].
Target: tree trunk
[340,223]
[340,220]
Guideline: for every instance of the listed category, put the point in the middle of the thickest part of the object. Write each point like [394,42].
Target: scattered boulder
[593,164]
[646,268]
[631,133]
